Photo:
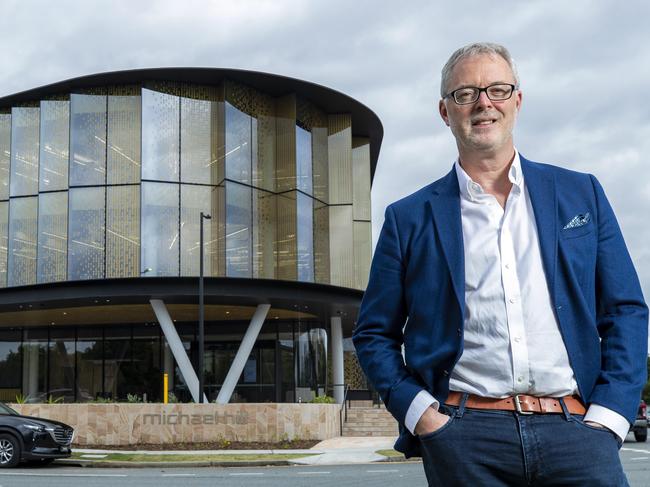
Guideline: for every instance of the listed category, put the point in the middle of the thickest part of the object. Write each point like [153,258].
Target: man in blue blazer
[503,323]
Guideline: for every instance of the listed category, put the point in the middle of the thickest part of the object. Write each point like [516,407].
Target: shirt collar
[473,191]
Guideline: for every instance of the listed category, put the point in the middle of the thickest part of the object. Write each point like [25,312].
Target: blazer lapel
[543,196]
[445,207]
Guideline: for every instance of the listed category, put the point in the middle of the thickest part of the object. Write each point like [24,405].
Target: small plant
[222,443]
[133,398]
[54,400]
[323,400]
[22,398]
[171,398]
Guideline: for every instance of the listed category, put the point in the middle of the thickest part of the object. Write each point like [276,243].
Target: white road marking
[381,471]
[247,473]
[305,473]
[28,474]
[636,450]
[179,475]
[639,458]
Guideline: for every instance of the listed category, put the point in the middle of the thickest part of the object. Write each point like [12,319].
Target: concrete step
[369,421]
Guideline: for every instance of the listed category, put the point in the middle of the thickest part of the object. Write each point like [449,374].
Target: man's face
[484,126]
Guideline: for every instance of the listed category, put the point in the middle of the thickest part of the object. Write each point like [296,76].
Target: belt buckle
[518,406]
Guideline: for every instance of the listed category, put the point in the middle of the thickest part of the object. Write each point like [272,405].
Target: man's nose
[483,101]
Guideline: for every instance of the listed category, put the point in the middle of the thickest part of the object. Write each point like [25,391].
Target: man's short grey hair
[475,49]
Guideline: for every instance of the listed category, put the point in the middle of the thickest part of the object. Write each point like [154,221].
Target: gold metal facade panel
[86,233]
[341,241]
[160,136]
[286,245]
[124,139]
[264,234]
[22,241]
[123,231]
[321,243]
[217,233]
[52,237]
[361,178]
[4,241]
[340,159]
[24,151]
[264,141]
[285,143]
[5,154]
[320,163]
[362,252]
[54,145]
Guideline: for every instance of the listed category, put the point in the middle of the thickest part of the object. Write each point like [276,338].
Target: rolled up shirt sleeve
[420,403]
[608,418]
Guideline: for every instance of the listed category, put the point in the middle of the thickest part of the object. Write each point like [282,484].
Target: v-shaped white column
[176,346]
[244,351]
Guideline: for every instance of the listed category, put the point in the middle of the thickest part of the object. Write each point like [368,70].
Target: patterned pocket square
[578,221]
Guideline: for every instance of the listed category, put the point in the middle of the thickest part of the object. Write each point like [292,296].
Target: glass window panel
[22,241]
[160,247]
[55,138]
[86,230]
[285,127]
[123,231]
[62,365]
[194,200]
[124,132]
[199,147]
[143,374]
[10,364]
[87,139]
[117,361]
[4,241]
[90,351]
[52,236]
[160,136]
[238,230]
[238,145]
[5,154]
[303,160]
[35,364]
[264,223]
[311,364]
[286,236]
[24,151]
[305,238]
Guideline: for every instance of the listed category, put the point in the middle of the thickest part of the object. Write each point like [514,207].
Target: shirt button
[507,266]
[520,379]
[517,339]
[513,300]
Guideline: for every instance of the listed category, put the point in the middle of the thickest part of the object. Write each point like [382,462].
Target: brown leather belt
[521,403]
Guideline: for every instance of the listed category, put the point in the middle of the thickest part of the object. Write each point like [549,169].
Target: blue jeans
[503,448]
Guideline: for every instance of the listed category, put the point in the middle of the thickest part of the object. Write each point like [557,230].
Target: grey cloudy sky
[584,66]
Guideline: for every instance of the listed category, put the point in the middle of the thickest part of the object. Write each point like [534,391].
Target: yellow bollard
[165,388]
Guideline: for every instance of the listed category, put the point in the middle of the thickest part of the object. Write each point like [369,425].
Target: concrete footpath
[334,451]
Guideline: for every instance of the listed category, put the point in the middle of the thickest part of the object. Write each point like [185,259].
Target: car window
[4,409]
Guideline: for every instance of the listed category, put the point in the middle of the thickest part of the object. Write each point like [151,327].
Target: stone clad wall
[127,424]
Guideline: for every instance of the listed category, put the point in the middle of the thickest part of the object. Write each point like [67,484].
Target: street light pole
[201,310]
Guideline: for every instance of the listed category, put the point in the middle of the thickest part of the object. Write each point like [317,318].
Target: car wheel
[641,436]
[9,451]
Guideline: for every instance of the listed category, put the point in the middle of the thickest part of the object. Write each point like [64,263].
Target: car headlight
[35,427]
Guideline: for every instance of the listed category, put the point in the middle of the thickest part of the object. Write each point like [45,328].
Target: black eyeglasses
[469,94]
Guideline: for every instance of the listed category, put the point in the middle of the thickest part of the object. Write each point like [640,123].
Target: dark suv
[25,438]
[640,427]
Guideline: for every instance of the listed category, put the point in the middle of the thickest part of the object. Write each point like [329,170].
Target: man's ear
[442,108]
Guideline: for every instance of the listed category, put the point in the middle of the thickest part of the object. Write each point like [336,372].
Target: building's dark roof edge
[365,122]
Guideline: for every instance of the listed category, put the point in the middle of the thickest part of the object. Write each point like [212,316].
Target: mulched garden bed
[210,445]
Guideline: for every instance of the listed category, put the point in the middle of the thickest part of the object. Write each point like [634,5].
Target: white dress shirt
[512,341]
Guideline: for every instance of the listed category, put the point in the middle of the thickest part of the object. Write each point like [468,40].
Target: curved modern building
[103,180]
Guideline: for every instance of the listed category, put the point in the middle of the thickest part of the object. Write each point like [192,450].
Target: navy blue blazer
[416,294]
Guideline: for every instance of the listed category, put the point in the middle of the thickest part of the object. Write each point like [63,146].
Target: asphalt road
[635,458]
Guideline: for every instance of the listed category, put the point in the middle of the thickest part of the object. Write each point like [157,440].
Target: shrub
[323,400]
